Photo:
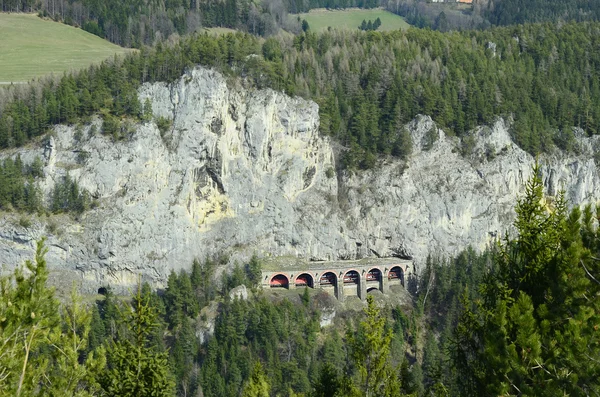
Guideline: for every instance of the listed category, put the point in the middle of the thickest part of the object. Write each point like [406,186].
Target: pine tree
[370,352]
[258,385]
[135,368]
[536,327]
[39,354]
[377,23]
[253,271]
[69,375]
[28,318]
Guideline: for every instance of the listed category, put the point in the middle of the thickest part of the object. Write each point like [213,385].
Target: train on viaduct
[342,278]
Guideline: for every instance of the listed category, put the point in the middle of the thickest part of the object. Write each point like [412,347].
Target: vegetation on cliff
[521,319]
[368,85]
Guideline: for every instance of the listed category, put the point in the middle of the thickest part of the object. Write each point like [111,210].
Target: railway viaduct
[342,278]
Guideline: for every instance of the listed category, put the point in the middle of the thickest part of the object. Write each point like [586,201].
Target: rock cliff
[242,171]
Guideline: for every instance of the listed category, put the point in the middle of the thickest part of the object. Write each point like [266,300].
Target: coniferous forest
[520,319]
[368,84]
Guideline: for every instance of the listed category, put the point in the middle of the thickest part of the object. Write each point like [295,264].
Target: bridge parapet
[342,278]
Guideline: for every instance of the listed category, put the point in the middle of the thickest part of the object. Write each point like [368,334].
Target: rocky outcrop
[242,171]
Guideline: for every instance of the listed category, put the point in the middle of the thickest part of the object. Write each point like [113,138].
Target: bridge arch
[352,276]
[374,274]
[351,283]
[279,281]
[396,273]
[305,280]
[328,279]
[372,289]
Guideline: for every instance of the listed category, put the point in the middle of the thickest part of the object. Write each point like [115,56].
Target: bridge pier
[339,291]
[362,286]
[385,285]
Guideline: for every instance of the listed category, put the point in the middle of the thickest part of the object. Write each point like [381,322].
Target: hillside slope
[32,47]
[244,171]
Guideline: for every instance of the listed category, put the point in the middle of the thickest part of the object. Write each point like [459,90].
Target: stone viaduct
[341,278]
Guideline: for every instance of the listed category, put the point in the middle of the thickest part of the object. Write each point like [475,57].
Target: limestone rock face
[245,171]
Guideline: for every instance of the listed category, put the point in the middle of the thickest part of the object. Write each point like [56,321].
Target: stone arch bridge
[341,278]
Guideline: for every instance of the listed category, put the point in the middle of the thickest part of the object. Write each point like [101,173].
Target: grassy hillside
[320,19]
[33,47]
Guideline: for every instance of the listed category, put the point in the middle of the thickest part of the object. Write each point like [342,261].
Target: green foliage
[29,316]
[180,300]
[546,81]
[535,326]
[18,189]
[40,346]
[370,352]
[25,222]
[163,124]
[509,12]
[305,26]
[201,277]
[146,115]
[281,335]
[68,197]
[258,385]
[370,25]
[135,368]
[503,12]
[305,297]
[70,374]
[253,271]
[36,168]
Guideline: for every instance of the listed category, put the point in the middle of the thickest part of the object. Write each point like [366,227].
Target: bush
[330,173]
[25,222]
[163,124]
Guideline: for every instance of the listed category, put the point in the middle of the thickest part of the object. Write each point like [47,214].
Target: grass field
[32,47]
[218,31]
[320,19]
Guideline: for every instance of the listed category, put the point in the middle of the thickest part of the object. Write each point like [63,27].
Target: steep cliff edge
[243,171]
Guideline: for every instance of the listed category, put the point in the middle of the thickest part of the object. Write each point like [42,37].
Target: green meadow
[320,19]
[33,47]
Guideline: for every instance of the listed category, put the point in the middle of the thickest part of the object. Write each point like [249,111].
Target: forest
[20,192]
[133,23]
[484,14]
[368,84]
[519,319]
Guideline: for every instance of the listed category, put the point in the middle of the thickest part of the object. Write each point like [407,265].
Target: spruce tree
[258,385]
[370,353]
[28,317]
[535,330]
[135,368]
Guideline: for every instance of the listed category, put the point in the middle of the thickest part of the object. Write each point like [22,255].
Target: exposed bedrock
[242,171]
